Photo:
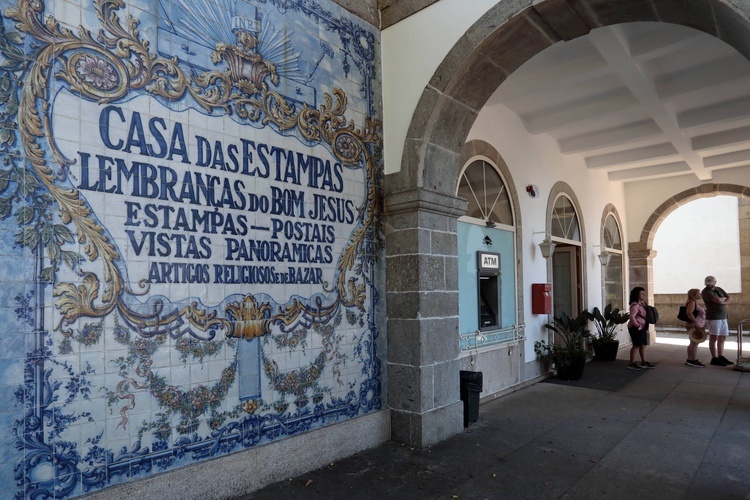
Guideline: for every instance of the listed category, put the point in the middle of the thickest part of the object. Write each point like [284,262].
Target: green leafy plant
[569,344]
[607,323]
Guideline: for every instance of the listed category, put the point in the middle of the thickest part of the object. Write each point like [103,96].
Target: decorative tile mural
[190,233]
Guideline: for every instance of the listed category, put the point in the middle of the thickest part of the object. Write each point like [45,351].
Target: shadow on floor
[602,375]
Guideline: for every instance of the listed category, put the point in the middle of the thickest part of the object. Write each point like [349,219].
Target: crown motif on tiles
[248,70]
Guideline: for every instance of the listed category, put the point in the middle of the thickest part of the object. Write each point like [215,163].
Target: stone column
[740,309]
[422,316]
[641,263]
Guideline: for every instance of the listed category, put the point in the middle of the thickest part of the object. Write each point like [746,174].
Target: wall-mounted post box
[541,298]
[488,290]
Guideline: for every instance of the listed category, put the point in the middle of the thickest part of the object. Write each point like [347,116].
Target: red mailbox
[541,298]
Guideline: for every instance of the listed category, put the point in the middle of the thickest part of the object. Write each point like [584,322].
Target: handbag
[682,314]
[652,315]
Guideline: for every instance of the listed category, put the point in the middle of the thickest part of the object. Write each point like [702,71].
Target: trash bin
[471,386]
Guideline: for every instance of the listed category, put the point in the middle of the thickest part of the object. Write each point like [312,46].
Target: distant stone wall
[669,303]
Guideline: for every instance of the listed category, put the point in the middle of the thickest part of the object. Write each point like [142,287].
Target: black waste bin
[471,386]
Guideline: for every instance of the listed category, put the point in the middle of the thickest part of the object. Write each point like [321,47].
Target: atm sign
[488,260]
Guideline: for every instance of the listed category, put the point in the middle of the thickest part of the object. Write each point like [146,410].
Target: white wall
[537,160]
[412,51]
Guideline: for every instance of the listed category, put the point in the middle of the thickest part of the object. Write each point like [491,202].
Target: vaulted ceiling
[639,100]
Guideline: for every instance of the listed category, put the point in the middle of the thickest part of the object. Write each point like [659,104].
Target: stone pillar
[641,264]
[740,309]
[422,316]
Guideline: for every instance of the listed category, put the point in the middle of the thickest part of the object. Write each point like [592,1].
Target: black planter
[573,371]
[606,351]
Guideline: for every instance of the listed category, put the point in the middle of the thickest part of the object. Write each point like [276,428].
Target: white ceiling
[639,100]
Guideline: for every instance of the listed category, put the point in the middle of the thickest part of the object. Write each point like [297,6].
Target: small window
[611,234]
[483,187]
[612,271]
[565,220]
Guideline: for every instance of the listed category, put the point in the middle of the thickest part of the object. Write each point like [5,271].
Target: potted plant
[605,340]
[567,354]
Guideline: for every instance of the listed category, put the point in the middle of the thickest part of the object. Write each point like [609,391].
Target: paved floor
[669,433]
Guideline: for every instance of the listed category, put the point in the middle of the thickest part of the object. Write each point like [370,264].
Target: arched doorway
[566,232]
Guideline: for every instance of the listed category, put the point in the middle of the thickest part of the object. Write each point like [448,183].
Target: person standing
[716,301]
[697,316]
[638,328]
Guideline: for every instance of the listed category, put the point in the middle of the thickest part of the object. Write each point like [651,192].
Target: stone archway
[641,253]
[421,264]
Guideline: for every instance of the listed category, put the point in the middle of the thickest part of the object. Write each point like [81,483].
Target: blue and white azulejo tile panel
[190,233]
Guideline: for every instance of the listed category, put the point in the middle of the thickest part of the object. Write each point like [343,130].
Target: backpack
[652,315]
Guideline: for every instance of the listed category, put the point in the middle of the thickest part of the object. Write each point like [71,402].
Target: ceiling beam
[663,170]
[609,137]
[612,45]
[721,139]
[633,156]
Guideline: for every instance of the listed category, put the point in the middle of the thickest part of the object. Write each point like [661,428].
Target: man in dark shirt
[716,301]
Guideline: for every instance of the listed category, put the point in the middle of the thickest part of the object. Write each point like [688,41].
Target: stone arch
[478,148]
[610,209]
[563,188]
[502,40]
[673,203]
[641,254]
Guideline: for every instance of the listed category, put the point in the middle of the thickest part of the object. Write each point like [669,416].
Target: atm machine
[488,290]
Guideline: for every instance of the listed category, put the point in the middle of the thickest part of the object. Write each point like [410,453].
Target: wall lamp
[547,246]
[603,255]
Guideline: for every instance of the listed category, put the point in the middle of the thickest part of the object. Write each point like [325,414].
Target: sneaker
[716,362]
[694,363]
[725,361]
[633,366]
[647,365]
